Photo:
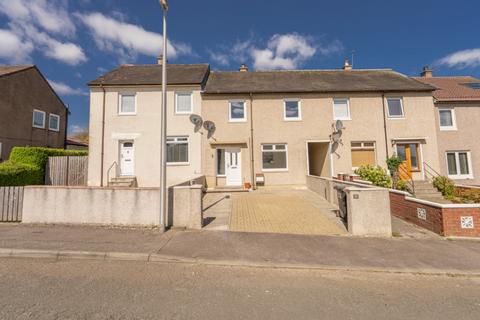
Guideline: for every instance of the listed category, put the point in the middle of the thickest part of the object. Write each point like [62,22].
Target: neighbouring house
[125,108]
[457,104]
[277,127]
[32,114]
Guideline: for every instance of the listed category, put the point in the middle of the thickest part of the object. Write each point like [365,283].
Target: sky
[73,42]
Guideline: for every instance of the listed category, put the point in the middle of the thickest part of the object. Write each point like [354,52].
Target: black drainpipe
[385,124]
[102,155]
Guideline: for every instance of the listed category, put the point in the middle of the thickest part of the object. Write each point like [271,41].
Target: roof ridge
[305,70]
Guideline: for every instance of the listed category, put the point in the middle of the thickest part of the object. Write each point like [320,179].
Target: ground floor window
[177,150]
[459,165]
[220,162]
[274,157]
[363,153]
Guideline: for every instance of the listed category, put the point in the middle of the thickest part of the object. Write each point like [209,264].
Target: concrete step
[123,182]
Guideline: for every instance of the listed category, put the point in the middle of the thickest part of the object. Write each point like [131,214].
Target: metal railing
[113,165]
[430,173]
[410,182]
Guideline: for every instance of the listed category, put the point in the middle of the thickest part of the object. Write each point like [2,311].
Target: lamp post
[163,124]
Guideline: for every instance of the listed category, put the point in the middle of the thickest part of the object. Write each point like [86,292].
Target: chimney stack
[243,68]
[427,72]
[160,60]
[347,65]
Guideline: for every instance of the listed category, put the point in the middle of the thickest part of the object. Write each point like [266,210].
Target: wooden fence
[11,203]
[67,171]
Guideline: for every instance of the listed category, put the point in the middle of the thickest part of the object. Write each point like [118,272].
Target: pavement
[271,250]
[89,289]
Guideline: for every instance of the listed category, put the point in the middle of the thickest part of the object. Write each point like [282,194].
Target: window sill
[177,164]
[274,170]
[342,119]
[242,120]
[37,127]
[127,114]
[221,176]
[466,177]
[396,118]
[183,113]
[448,129]
[292,119]
[54,130]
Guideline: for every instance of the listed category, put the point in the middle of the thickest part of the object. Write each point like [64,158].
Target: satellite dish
[336,136]
[339,125]
[210,127]
[197,121]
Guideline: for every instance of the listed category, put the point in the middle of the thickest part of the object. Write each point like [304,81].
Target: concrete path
[244,249]
[293,211]
[217,208]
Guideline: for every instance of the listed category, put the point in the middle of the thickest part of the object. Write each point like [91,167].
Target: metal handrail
[409,182]
[428,170]
[114,164]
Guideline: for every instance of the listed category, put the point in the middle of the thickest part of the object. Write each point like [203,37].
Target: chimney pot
[160,60]
[427,72]
[347,65]
[243,68]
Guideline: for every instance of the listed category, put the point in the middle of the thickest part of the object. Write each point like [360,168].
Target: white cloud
[13,49]
[126,39]
[286,51]
[42,24]
[65,89]
[281,51]
[462,59]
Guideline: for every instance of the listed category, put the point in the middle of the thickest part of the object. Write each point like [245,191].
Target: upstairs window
[447,119]
[128,104]
[236,112]
[183,103]
[54,122]
[292,110]
[177,150]
[274,157]
[38,119]
[395,108]
[341,109]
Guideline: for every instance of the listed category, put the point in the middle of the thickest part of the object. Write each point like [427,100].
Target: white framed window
[53,122]
[220,162]
[237,111]
[177,150]
[292,110]
[395,108]
[274,157]
[38,119]
[363,153]
[183,102]
[459,165]
[446,117]
[127,103]
[341,109]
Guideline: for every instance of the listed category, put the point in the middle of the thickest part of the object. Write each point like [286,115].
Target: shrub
[402,185]
[376,175]
[445,186]
[393,163]
[26,165]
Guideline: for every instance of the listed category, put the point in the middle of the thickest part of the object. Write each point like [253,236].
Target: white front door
[126,159]
[233,170]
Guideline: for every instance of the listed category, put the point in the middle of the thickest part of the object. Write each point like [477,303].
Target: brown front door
[408,152]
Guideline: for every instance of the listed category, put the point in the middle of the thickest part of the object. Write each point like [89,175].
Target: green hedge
[26,165]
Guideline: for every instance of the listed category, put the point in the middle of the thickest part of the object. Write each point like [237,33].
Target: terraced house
[271,128]
[457,110]
[277,127]
[125,109]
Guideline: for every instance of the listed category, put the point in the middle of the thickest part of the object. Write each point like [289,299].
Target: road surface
[83,289]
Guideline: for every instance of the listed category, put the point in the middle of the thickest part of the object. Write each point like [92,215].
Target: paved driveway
[297,211]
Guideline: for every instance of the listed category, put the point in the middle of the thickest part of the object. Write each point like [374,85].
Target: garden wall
[451,220]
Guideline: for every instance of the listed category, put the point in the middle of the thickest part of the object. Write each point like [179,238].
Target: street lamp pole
[163,124]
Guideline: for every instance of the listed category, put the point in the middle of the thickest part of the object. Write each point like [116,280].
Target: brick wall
[439,219]
[407,210]
[452,222]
